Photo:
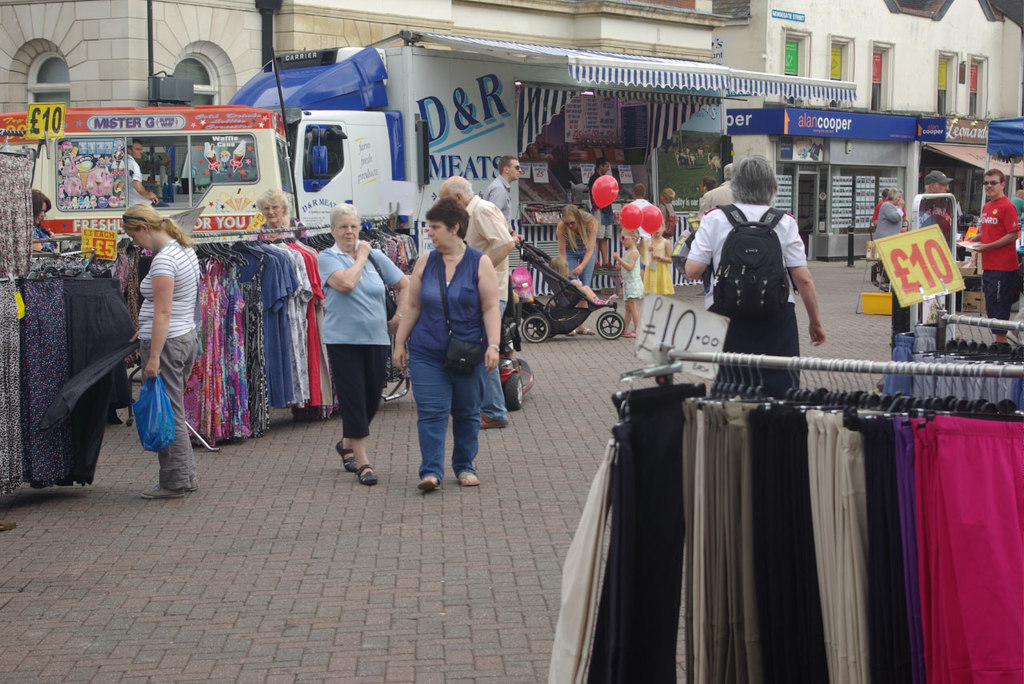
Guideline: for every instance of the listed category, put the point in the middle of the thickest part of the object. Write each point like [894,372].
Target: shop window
[795,50]
[975,103]
[204,85]
[944,76]
[49,79]
[880,69]
[841,60]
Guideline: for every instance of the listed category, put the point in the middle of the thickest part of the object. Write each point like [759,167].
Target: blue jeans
[438,394]
[575,257]
[493,405]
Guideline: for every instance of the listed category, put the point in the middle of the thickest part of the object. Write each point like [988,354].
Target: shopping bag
[154,415]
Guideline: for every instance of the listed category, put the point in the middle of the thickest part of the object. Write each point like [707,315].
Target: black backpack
[751,276]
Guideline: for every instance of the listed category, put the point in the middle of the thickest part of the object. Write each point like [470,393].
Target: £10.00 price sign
[919,265]
[667,323]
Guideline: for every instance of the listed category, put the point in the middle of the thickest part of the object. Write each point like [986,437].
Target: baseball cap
[937,176]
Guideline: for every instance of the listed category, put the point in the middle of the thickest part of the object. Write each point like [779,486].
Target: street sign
[44,118]
[919,264]
[670,323]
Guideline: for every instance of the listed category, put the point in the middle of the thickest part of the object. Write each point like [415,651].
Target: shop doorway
[807,207]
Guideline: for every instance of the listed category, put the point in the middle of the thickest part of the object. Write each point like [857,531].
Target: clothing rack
[800,363]
[957,319]
[219,236]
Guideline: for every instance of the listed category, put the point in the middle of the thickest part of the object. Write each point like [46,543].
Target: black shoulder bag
[460,357]
[390,305]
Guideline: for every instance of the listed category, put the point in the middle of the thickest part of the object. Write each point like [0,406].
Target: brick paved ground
[283,568]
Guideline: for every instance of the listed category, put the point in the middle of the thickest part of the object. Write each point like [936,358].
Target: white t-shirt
[179,263]
[134,174]
[715,226]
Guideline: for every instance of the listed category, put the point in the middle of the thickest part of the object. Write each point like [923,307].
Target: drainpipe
[267,9]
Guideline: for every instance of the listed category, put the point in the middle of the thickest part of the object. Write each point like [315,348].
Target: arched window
[205,90]
[49,79]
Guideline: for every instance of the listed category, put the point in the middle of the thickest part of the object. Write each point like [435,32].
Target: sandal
[429,484]
[468,479]
[347,458]
[367,478]
[587,331]
[7,525]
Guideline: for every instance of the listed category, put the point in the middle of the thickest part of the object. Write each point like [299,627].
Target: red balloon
[605,190]
[630,217]
[652,218]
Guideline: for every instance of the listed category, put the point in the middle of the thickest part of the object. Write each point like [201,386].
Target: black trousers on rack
[98,323]
[638,616]
[785,572]
[888,631]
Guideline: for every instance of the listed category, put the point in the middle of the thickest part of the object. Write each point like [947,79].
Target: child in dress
[658,277]
[561,267]
[632,282]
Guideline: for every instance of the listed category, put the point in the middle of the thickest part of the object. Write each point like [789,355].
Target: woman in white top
[167,333]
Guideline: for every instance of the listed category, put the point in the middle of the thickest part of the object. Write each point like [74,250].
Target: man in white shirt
[499,192]
[488,232]
[136,190]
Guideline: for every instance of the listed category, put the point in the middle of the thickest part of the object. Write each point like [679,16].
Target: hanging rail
[799,363]
[978,322]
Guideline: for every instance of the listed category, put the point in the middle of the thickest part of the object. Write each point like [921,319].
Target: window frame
[847,56]
[946,96]
[884,103]
[977,99]
[35,88]
[803,41]
[213,89]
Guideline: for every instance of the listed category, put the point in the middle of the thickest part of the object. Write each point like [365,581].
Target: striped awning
[593,68]
[538,105]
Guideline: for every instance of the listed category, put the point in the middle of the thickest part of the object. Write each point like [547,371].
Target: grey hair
[892,193]
[344,209]
[727,171]
[275,196]
[457,185]
[753,180]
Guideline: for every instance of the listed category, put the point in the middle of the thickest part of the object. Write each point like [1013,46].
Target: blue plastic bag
[154,416]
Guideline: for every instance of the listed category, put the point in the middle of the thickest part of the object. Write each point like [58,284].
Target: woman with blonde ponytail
[167,333]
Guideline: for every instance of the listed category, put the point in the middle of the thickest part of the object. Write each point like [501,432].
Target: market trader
[499,192]
[137,192]
[999,230]
[936,211]
[487,232]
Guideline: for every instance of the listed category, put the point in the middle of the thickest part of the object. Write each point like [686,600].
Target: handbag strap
[444,290]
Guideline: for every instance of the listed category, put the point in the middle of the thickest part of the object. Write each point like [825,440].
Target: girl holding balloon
[632,282]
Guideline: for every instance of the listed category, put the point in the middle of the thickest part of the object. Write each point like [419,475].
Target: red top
[998,218]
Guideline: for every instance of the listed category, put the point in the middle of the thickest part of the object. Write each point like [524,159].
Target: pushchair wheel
[610,325]
[513,390]
[535,328]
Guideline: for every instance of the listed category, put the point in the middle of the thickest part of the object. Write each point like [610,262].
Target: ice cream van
[206,163]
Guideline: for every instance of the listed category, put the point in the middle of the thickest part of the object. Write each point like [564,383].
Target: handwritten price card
[102,242]
[668,322]
[919,265]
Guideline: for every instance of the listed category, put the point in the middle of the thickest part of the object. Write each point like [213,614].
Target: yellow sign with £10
[919,265]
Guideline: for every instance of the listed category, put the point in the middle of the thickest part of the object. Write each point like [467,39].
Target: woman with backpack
[754,249]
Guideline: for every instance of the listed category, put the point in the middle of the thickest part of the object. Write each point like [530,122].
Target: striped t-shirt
[179,263]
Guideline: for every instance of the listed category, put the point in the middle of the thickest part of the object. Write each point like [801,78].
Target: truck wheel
[535,328]
[513,389]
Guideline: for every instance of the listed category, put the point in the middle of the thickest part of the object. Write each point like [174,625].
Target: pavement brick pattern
[282,568]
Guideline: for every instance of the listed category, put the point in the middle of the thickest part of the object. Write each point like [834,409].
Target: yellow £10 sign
[919,264]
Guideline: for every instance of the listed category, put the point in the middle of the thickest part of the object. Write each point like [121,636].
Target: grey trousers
[177,462]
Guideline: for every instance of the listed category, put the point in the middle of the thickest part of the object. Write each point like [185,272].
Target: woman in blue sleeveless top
[472,291]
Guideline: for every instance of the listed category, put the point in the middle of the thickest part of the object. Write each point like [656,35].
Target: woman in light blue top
[356,331]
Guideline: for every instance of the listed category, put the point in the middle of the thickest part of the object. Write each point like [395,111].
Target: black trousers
[888,633]
[785,572]
[359,372]
[776,336]
[638,616]
[98,322]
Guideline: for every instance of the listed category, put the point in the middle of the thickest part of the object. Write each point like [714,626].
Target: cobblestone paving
[283,568]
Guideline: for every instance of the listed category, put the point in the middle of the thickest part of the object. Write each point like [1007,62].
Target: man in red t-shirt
[998,247]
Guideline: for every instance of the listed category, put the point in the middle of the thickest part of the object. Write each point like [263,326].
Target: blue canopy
[356,83]
[1006,137]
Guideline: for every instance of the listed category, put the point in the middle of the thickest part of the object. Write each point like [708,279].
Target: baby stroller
[515,373]
[560,314]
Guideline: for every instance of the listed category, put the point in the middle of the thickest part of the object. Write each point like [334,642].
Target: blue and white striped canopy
[593,68]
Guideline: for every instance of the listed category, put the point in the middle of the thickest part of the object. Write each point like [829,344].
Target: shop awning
[971,154]
[1006,137]
[590,67]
